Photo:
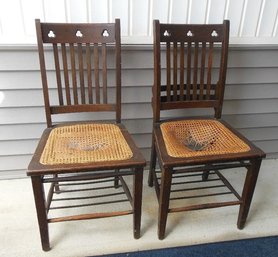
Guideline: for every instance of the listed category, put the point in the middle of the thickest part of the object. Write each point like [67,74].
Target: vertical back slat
[188,79]
[73,74]
[89,72]
[96,70]
[58,74]
[195,76]
[118,71]
[210,59]
[175,75]
[66,73]
[181,71]
[202,75]
[81,73]
[168,68]
[104,72]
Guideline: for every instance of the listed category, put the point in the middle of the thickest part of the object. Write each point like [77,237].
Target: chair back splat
[83,163]
[80,55]
[191,61]
[190,64]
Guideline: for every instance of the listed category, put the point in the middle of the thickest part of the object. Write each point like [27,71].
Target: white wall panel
[30,14]
[21,131]
[234,14]
[251,17]
[55,10]
[179,11]
[120,9]
[198,11]
[160,10]
[268,18]
[77,11]
[12,25]
[98,11]
[216,11]
[139,17]
[8,163]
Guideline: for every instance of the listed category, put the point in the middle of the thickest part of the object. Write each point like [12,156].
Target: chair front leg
[39,197]
[116,179]
[248,191]
[152,163]
[165,189]
[137,201]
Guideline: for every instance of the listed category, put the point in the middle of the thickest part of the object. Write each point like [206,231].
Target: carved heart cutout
[189,33]
[105,33]
[51,34]
[78,33]
[214,33]
[166,33]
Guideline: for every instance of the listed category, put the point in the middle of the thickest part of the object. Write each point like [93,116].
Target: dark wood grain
[79,44]
[199,89]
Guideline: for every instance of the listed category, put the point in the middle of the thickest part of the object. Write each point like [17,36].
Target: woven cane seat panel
[192,138]
[85,143]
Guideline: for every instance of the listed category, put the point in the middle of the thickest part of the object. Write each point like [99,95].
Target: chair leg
[205,175]
[56,187]
[165,189]
[137,201]
[116,180]
[39,197]
[152,164]
[248,190]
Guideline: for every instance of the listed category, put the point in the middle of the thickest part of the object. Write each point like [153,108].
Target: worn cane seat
[85,143]
[192,138]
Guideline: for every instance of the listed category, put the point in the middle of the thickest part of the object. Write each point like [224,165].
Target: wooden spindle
[210,59]
[188,79]
[89,73]
[81,73]
[195,74]
[168,67]
[66,73]
[73,74]
[175,75]
[96,70]
[104,72]
[58,74]
[202,75]
[182,71]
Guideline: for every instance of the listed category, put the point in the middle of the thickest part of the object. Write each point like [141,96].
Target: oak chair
[83,161]
[193,151]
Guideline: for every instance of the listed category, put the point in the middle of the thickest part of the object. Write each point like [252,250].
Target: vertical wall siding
[251,103]
[252,21]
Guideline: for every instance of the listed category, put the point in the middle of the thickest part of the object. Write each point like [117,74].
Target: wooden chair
[193,150]
[74,158]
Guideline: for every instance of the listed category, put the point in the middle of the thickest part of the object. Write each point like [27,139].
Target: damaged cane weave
[85,143]
[192,138]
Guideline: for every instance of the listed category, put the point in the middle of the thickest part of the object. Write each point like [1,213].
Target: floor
[19,234]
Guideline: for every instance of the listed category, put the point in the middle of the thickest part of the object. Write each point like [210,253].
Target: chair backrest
[80,58]
[189,75]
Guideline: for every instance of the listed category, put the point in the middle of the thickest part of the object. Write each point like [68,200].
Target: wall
[251,99]
[251,103]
